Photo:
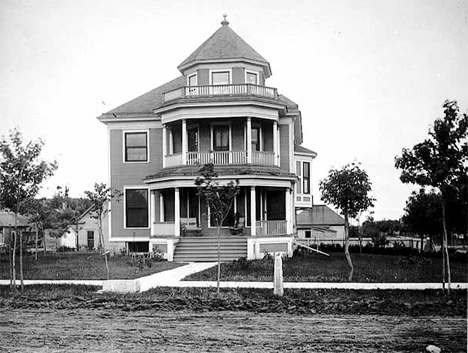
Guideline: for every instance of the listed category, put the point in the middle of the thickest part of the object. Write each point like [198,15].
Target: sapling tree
[439,162]
[348,190]
[100,198]
[219,198]
[21,174]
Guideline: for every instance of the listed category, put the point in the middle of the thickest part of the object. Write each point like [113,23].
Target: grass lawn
[318,268]
[80,266]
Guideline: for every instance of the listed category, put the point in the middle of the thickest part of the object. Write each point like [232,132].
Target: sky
[370,76]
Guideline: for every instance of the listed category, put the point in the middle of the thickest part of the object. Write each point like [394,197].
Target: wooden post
[278,277]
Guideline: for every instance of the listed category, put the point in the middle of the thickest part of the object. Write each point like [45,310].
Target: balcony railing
[221,158]
[271,227]
[216,90]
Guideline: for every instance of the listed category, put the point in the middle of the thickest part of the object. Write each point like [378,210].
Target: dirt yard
[116,330]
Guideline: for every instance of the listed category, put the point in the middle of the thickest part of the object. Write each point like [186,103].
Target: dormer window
[251,77]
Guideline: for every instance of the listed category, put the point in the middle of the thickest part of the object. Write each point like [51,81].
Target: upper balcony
[235,90]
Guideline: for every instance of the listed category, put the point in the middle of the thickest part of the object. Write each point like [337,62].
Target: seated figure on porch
[239,225]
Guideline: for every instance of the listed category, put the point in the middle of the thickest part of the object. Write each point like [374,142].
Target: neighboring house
[7,225]
[88,233]
[219,110]
[320,224]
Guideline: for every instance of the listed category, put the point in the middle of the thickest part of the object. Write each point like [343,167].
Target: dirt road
[113,330]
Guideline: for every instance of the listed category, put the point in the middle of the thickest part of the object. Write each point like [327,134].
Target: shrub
[242,263]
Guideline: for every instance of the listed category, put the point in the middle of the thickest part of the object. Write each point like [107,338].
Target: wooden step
[205,249]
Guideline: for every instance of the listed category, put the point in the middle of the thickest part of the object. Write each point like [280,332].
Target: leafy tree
[99,198]
[423,214]
[219,199]
[439,162]
[21,174]
[348,190]
[39,212]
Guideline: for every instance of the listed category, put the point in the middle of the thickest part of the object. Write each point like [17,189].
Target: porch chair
[239,227]
[190,227]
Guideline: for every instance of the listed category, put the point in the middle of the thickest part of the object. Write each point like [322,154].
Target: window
[306,178]
[136,208]
[299,174]
[251,78]
[221,138]
[220,78]
[90,238]
[308,234]
[256,139]
[192,80]
[138,246]
[192,139]
[136,147]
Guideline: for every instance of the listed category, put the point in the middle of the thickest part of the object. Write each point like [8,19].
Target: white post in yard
[278,277]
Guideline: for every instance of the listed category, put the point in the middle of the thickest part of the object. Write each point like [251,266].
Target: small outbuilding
[320,224]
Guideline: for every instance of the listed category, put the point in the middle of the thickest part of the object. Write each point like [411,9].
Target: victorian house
[219,110]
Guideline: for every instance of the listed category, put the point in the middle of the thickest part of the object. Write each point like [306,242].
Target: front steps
[205,248]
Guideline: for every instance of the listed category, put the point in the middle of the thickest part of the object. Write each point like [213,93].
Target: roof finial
[225,22]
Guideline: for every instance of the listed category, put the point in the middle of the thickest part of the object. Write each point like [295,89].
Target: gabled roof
[8,219]
[300,149]
[149,101]
[225,45]
[319,215]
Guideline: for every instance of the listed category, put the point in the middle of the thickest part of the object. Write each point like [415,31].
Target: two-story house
[219,110]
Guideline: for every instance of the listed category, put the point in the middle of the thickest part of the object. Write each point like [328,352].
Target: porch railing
[163,228]
[215,90]
[271,227]
[221,158]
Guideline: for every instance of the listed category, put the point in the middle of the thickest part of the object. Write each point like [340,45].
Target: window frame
[125,189]
[195,74]
[303,180]
[256,73]
[213,125]
[218,71]
[197,129]
[260,136]
[124,145]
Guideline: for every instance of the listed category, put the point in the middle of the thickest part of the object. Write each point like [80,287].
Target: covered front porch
[264,215]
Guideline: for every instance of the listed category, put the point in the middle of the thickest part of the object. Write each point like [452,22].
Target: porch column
[164,144]
[253,212]
[184,142]
[249,140]
[288,211]
[152,210]
[176,212]
[161,207]
[275,142]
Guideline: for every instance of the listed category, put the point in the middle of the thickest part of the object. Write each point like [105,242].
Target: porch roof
[247,176]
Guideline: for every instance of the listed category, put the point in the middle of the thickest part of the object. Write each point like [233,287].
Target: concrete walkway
[173,278]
